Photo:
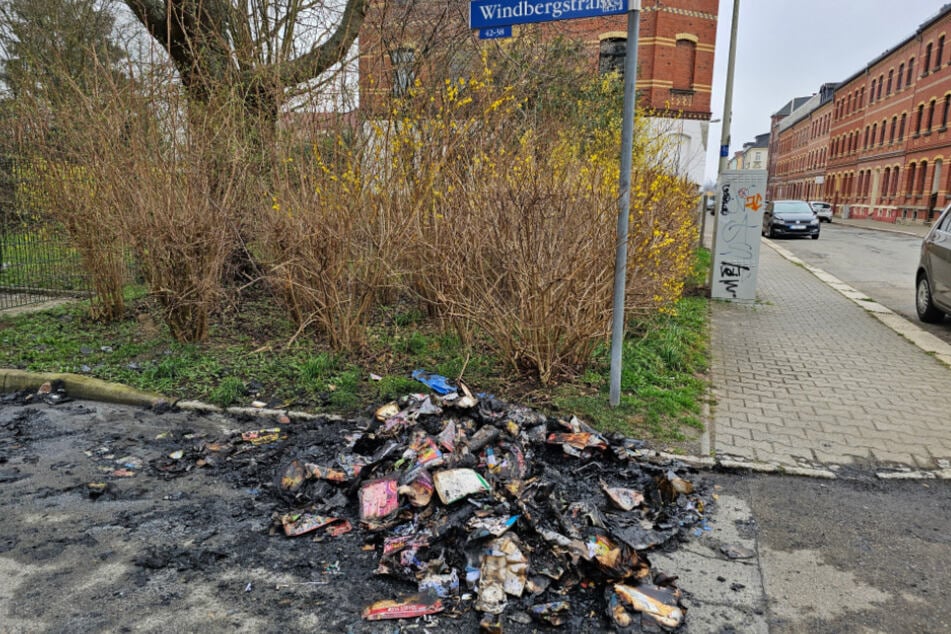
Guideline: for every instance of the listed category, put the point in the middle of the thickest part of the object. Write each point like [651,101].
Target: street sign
[484,14]
[495,32]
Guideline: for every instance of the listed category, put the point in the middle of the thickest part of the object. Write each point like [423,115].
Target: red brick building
[887,143]
[799,139]
[407,40]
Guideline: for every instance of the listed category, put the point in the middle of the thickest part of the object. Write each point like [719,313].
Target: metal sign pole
[624,200]
[724,137]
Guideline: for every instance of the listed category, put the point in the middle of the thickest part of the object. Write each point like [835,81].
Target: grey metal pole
[725,131]
[624,200]
[703,220]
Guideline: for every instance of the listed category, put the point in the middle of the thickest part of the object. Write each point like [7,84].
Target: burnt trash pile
[477,504]
[472,508]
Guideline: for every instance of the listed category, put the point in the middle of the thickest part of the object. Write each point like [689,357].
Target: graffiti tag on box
[737,243]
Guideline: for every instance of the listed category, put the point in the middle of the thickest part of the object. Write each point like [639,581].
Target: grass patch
[663,379]
[247,357]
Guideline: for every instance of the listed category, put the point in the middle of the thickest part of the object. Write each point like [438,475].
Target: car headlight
[814,221]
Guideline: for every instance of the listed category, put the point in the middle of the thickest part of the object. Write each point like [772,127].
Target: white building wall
[687,144]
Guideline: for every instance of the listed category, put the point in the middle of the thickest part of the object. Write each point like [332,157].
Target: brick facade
[676,46]
[888,145]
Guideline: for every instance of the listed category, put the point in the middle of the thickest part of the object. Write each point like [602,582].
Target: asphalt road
[192,553]
[830,556]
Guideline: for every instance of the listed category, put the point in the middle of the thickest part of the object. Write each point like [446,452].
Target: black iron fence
[37,263]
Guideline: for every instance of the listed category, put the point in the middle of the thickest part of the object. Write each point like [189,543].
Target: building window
[611,57]
[881,134]
[686,52]
[911,71]
[865,141]
[871,93]
[927,60]
[888,86]
[901,73]
[944,114]
[404,73]
[930,115]
[910,182]
[878,92]
[891,134]
[895,177]
[919,119]
[901,128]
[888,173]
[940,54]
[922,172]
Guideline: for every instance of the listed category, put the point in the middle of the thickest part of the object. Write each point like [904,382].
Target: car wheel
[927,311]
[815,236]
[772,232]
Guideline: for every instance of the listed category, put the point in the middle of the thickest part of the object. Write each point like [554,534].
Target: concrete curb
[78,386]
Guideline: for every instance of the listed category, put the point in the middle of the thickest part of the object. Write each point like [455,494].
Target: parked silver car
[823,210]
[933,280]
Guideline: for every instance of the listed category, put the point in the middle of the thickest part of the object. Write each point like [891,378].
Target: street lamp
[725,130]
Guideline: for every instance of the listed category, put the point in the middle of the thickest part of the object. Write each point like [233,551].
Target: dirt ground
[122,519]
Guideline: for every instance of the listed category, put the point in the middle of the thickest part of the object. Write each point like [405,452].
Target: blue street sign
[495,33]
[484,14]
[724,150]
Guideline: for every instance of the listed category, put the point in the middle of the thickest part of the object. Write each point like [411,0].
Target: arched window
[940,53]
[944,114]
[911,71]
[891,134]
[901,127]
[930,115]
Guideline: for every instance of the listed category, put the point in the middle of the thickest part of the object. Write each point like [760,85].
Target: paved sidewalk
[808,378]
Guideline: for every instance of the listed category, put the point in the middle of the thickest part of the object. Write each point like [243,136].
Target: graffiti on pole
[736,245]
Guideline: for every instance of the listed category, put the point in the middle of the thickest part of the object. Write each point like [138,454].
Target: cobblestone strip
[805,378]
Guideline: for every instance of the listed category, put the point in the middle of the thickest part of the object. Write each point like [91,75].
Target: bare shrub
[328,237]
[180,217]
[518,234]
[56,186]
[126,170]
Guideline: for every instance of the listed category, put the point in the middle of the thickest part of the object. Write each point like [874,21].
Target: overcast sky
[788,49]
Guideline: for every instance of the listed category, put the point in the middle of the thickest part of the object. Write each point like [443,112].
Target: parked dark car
[933,280]
[790,218]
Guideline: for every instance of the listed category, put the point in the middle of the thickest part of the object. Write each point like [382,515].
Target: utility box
[741,197]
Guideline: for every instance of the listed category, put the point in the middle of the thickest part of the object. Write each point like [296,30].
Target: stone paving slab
[805,377]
